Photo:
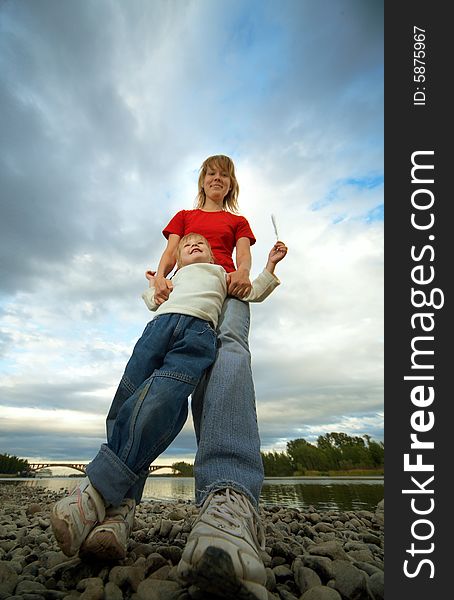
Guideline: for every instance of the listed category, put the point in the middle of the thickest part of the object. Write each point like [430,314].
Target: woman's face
[216,183]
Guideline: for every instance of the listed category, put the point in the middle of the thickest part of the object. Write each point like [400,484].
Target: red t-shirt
[221,228]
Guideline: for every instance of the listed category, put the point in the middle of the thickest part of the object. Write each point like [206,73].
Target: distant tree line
[332,452]
[183,469]
[11,465]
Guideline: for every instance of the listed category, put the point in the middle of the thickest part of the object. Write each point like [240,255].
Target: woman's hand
[238,283]
[163,287]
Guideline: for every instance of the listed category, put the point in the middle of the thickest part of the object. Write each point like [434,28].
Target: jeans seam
[164,442]
[178,376]
[128,384]
[176,330]
[134,416]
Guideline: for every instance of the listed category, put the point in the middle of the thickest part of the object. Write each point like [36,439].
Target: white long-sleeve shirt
[200,289]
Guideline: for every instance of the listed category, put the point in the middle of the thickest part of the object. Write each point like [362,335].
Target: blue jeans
[150,406]
[224,413]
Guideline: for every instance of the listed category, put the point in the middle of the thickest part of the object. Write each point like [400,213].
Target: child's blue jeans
[150,406]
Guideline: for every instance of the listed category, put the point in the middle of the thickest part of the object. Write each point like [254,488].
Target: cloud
[107,110]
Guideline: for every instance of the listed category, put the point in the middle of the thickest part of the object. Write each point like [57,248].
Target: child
[176,348]
[203,288]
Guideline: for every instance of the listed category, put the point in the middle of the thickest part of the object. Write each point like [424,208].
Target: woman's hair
[185,239]
[225,164]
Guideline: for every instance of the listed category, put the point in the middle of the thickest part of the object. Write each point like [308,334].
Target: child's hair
[224,163]
[185,239]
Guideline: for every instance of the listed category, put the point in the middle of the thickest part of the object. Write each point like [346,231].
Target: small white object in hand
[273,219]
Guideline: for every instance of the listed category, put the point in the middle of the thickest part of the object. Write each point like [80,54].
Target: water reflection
[325,494]
[169,488]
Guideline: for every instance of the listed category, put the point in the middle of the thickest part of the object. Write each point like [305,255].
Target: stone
[277,560]
[321,592]
[379,515]
[323,527]
[314,518]
[331,549]
[377,585]
[8,578]
[30,587]
[282,572]
[162,572]
[34,508]
[321,565]
[305,578]
[284,550]
[166,527]
[157,589]
[94,589]
[285,594]
[370,538]
[154,562]
[172,553]
[177,514]
[349,581]
[112,591]
[361,555]
[270,579]
[132,575]
[367,567]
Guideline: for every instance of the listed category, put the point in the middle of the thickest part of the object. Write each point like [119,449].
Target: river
[299,492]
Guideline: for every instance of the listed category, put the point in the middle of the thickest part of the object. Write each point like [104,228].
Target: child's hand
[150,275]
[163,288]
[277,253]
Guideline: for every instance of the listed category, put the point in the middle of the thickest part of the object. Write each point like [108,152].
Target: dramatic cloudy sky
[107,110]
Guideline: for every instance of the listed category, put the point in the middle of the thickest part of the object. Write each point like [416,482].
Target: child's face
[194,250]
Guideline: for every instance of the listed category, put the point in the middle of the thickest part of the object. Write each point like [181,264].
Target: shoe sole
[62,535]
[215,574]
[104,546]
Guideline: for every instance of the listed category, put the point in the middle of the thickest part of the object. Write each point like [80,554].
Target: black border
[410,128]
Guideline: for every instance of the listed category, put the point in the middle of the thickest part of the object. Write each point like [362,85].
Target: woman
[228,467]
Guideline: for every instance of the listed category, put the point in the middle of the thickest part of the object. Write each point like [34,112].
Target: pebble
[309,555]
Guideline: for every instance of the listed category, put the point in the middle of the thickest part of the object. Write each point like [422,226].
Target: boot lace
[228,505]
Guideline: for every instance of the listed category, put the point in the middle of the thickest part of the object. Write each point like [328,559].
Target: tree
[12,465]
[377,453]
[277,464]
[305,456]
[183,469]
[348,452]
[333,455]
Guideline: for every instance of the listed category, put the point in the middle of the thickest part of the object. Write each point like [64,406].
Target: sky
[107,110]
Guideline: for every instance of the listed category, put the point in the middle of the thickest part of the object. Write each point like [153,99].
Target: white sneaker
[227,521]
[109,539]
[73,517]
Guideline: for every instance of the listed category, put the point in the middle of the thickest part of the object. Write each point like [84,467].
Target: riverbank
[309,556]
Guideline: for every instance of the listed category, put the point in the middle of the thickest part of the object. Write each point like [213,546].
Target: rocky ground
[309,556]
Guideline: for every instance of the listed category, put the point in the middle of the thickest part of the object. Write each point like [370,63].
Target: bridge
[35,467]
